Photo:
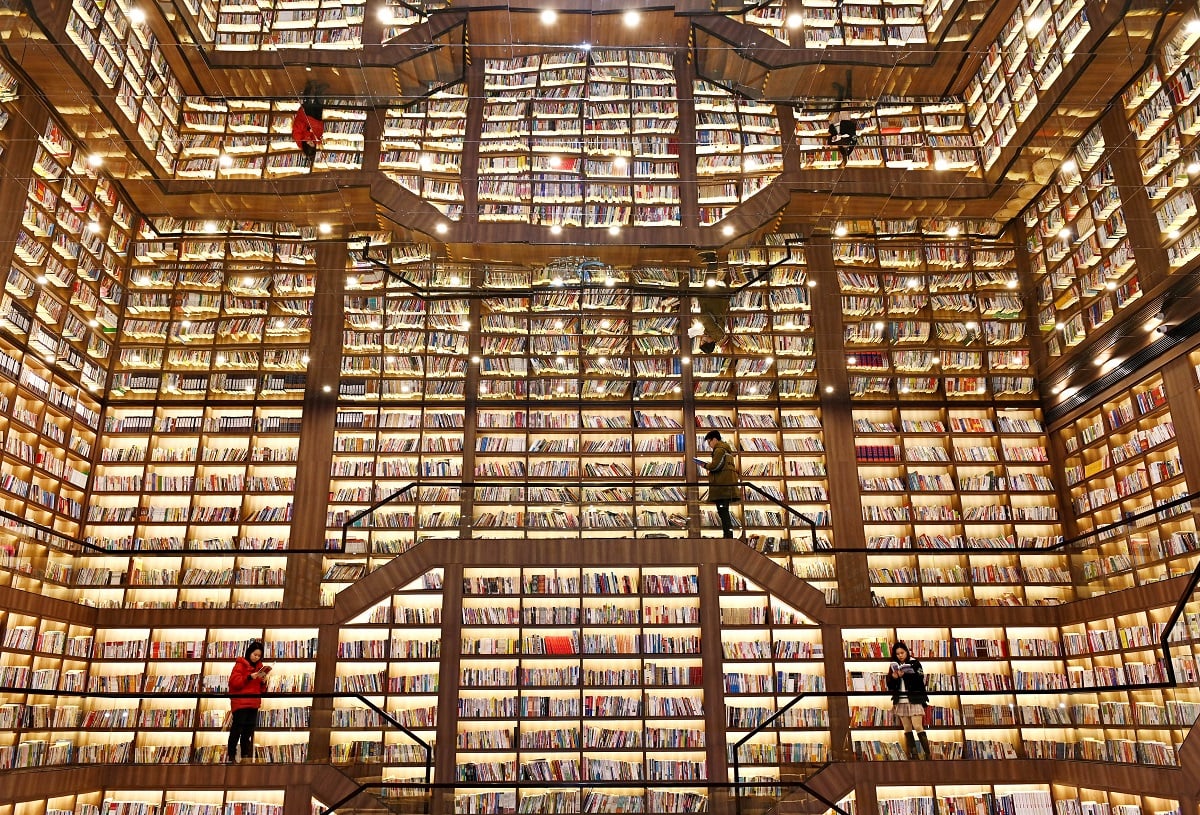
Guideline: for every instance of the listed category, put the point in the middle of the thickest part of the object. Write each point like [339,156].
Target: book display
[580,138]
[252,139]
[821,23]
[931,317]
[1080,258]
[1121,458]
[116,40]
[739,149]
[896,133]
[959,478]
[1161,110]
[421,148]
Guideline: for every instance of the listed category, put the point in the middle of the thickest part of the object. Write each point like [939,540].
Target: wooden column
[1144,236]
[840,746]
[448,686]
[845,502]
[303,585]
[685,140]
[1185,414]
[711,661]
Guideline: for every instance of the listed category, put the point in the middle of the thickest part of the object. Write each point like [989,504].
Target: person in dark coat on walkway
[723,487]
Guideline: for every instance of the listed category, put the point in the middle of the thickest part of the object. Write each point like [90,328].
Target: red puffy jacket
[240,681]
[307,129]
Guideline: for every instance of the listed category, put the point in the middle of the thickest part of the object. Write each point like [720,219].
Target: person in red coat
[247,683]
[308,126]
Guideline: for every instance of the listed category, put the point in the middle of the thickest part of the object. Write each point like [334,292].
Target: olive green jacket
[723,474]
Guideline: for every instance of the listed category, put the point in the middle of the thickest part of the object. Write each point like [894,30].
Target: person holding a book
[906,681]
[722,479]
[247,683]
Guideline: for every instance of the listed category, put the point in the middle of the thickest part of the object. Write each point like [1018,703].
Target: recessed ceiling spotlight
[727,230]
[385,15]
[1060,326]
[95,160]
[93,227]
[619,163]
[941,165]
[952,230]
[615,229]
[210,226]
[829,388]
[556,230]
[631,18]
[1065,233]
[840,231]
[441,228]
[324,228]
[1193,167]
[225,160]
[137,16]
[549,16]
[326,388]
[794,21]
[1069,166]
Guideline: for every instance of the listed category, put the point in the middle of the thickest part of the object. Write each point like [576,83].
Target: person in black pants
[906,681]
[722,479]
[247,683]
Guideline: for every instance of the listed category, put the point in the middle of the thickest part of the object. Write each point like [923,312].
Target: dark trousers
[241,729]
[726,518]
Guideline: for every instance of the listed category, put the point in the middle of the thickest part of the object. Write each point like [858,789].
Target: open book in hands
[902,668]
[701,462]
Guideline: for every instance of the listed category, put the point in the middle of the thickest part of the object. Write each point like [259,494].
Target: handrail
[807,521]
[424,293]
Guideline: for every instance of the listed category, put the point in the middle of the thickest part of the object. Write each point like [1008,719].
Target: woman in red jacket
[247,683]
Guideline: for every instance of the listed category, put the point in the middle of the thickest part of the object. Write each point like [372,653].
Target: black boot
[925,745]
[910,741]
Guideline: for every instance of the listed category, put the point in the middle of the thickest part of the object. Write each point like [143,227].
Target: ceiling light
[549,15]
[326,388]
[1065,233]
[556,280]
[829,388]
[1111,285]
[1012,284]
[941,165]
[324,228]
[137,16]
[1173,234]
[1057,389]
[727,230]
[94,323]
[95,160]
[685,360]
[840,231]
[609,281]
[210,226]
[185,324]
[1060,326]
[619,163]
[615,229]
[794,21]
[93,227]
[441,228]
[385,15]
[306,359]
[225,160]
[952,230]
[812,283]
[1069,166]
[558,323]
[425,162]
[1193,167]
[475,360]
[631,18]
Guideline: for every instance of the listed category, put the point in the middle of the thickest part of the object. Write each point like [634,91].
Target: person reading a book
[247,683]
[722,479]
[906,680]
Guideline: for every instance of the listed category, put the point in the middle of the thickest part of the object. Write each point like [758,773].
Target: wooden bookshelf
[1121,457]
[421,148]
[959,478]
[821,24]
[931,318]
[738,149]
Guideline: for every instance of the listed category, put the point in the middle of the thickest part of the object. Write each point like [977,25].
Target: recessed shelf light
[685,360]
[727,230]
[879,325]
[952,231]
[94,323]
[549,16]
[1069,166]
[351,282]
[137,16]
[93,227]
[556,280]
[560,389]
[840,231]
[794,21]
[558,323]
[326,388]
[556,229]
[609,281]
[941,165]
[475,360]
[1012,284]
[1065,233]
[1060,326]
[1193,167]
[604,323]
[812,284]
[306,359]
[441,229]
[620,163]
[42,280]
[1173,234]
[615,229]
[631,18]
[324,228]
[225,160]
[829,388]
[1111,285]
[95,160]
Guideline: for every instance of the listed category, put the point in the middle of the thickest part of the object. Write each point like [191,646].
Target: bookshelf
[821,24]
[1021,66]
[232,138]
[1160,107]
[9,93]
[581,138]
[738,149]
[770,653]
[1121,457]
[959,478]
[115,38]
[582,674]
[421,148]
[392,653]
[1080,258]
[895,134]
[931,318]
